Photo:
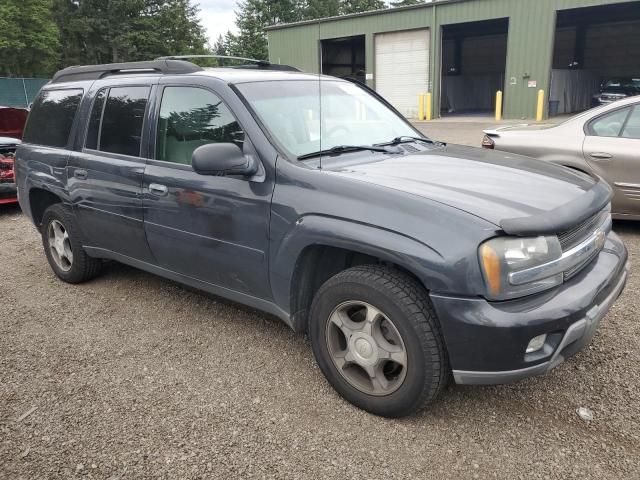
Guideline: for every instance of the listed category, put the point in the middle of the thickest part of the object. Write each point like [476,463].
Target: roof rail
[248,62]
[94,72]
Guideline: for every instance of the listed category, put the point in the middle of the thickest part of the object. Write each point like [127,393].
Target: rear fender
[40,168]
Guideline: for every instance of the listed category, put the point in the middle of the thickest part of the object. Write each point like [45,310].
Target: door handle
[80,174]
[601,155]
[158,190]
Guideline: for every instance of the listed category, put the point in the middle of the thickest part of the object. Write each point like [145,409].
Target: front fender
[418,258]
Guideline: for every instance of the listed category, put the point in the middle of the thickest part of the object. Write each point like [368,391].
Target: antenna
[320,96]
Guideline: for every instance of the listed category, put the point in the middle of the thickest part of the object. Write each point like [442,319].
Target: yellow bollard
[540,107]
[427,108]
[420,107]
[498,105]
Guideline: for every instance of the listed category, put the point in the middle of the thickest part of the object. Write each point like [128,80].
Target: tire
[405,319]
[74,265]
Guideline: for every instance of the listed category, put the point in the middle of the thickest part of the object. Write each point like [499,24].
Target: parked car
[7,180]
[617,89]
[403,258]
[603,141]
[12,122]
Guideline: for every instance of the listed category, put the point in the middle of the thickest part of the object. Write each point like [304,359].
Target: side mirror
[222,159]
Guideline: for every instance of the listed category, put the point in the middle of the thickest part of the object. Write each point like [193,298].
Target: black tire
[405,302]
[83,267]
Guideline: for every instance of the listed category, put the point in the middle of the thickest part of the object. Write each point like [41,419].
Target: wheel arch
[39,200]
[320,247]
[570,162]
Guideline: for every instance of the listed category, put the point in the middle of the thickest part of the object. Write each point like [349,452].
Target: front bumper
[486,341]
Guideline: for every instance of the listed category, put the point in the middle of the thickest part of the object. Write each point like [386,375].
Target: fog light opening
[536,343]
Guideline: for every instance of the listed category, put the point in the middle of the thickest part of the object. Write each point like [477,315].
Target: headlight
[501,256]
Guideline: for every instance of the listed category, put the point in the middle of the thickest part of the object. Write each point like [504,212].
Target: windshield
[293,113]
[619,85]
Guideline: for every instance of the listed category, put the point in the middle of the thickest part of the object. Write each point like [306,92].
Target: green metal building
[464,51]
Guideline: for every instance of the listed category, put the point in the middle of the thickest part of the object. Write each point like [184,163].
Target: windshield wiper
[345,148]
[408,138]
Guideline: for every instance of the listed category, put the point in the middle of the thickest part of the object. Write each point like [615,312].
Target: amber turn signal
[491,264]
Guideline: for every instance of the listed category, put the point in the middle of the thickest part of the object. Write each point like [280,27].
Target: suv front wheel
[376,339]
[63,248]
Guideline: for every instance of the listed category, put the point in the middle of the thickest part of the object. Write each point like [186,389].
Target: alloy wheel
[60,245]
[366,348]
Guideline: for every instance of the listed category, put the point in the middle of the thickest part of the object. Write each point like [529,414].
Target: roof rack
[94,72]
[249,63]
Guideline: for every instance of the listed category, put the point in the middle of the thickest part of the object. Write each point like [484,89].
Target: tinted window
[609,125]
[192,117]
[94,121]
[122,120]
[51,117]
[632,128]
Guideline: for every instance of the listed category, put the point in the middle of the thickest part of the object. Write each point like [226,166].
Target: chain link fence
[19,92]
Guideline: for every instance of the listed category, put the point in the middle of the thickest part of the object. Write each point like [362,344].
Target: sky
[217,17]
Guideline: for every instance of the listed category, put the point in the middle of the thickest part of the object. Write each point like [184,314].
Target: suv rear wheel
[63,248]
[376,339]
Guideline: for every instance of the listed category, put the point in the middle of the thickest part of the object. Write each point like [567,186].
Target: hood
[12,121]
[519,194]
[9,141]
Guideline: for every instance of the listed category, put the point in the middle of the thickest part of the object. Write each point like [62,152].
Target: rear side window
[632,127]
[115,124]
[609,125]
[51,117]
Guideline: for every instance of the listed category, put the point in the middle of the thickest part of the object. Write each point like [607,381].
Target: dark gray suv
[406,260]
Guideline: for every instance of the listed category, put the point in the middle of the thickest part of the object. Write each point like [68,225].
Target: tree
[102,31]
[29,43]
[166,27]
[321,9]
[357,6]
[220,46]
[405,3]
[251,19]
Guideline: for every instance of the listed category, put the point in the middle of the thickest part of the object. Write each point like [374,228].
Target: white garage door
[402,68]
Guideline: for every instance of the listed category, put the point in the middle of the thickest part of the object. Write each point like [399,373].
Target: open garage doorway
[474,57]
[344,57]
[595,49]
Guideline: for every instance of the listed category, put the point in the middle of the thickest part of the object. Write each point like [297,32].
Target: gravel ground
[132,376]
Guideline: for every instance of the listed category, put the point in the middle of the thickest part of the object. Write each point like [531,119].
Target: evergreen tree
[102,31]
[29,43]
[313,9]
[357,6]
[220,46]
[405,3]
[251,19]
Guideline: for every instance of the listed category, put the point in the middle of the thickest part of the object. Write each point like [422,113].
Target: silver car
[604,141]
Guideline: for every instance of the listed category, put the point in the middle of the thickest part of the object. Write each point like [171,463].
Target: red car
[12,122]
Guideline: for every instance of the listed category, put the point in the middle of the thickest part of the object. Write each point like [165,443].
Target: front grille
[573,271]
[572,237]
[576,235]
